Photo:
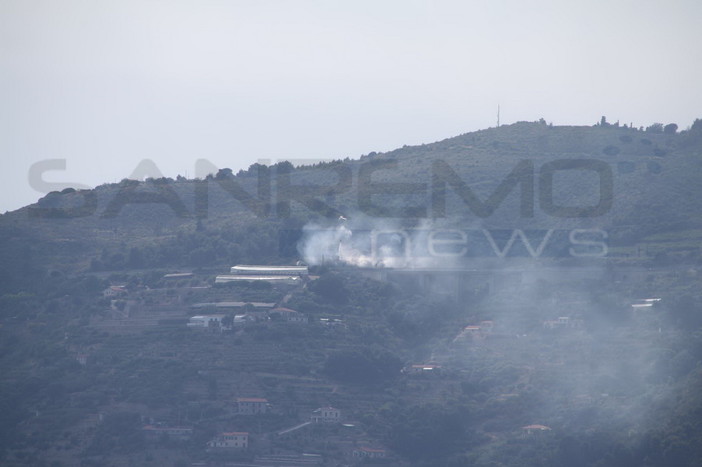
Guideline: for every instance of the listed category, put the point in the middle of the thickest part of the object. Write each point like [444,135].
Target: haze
[105,85]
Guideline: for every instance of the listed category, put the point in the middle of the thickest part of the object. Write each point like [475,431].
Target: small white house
[332,322]
[230,440]
[364,452]
[326,415]
[207,322]
[251,405]
[289,316]
[114,291]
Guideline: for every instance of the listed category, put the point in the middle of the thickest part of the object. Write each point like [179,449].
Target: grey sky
[105,85]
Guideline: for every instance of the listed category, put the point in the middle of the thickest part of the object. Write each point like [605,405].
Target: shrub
[658,152]
[655,128]
[670,129]
[654,167]
[611,150]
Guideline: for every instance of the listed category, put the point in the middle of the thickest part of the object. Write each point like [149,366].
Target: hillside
[652,191]
[544,309]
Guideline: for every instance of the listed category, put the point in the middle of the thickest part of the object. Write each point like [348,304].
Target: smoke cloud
[368,243]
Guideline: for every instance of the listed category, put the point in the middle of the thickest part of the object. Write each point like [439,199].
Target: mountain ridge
[653,191]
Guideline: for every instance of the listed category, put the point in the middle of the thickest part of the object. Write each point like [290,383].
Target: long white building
[256,270]
[287,280]
[288,275]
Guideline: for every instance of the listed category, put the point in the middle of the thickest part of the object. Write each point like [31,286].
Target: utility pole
[498,115]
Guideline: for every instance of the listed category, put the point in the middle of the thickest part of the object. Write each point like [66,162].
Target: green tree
[655,128]
[670,129]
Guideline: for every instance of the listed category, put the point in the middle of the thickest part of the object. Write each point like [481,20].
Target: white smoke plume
[363,242]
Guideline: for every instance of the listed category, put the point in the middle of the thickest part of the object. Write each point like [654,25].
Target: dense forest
[507,337]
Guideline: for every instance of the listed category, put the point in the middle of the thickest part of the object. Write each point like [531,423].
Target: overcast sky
[104,85]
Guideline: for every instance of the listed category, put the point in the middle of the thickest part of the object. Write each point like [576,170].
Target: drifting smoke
[604,367]
[363,243]
[321,245]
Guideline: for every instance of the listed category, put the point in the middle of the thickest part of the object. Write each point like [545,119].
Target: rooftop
[264,266]
[233,304]
[241,277]
[536,427]
[283,310]
[262,269]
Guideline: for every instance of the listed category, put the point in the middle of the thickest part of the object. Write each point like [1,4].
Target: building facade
[326,415]
[251,405]
[230,440]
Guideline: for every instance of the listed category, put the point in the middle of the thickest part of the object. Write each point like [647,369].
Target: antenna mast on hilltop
[498,115]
